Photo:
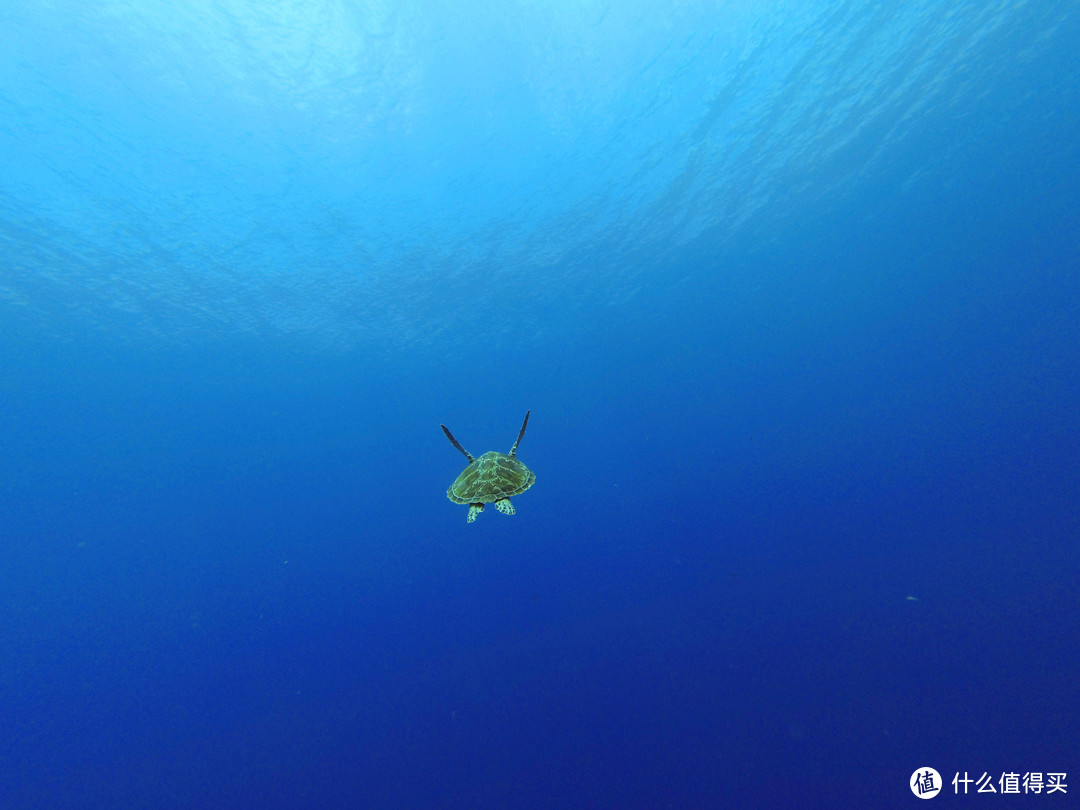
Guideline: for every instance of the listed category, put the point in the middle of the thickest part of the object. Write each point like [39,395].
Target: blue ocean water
[792,290]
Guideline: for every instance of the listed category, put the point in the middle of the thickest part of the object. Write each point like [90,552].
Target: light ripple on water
[361,176]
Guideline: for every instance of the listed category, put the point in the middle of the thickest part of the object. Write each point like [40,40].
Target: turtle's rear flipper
[505,506]
[474,510]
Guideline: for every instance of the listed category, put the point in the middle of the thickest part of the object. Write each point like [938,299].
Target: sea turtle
[491,478]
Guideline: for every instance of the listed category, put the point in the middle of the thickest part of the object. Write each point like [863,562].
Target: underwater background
[792,290]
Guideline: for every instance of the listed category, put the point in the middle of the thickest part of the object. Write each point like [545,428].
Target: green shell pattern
[489,478]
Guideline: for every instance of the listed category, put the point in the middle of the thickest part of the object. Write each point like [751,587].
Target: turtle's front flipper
[505,506]
[457,444]
[474,510]
[521,433]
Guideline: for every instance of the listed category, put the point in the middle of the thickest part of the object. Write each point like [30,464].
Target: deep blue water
[792,291]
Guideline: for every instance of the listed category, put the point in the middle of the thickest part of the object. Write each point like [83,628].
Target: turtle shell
[489,478]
